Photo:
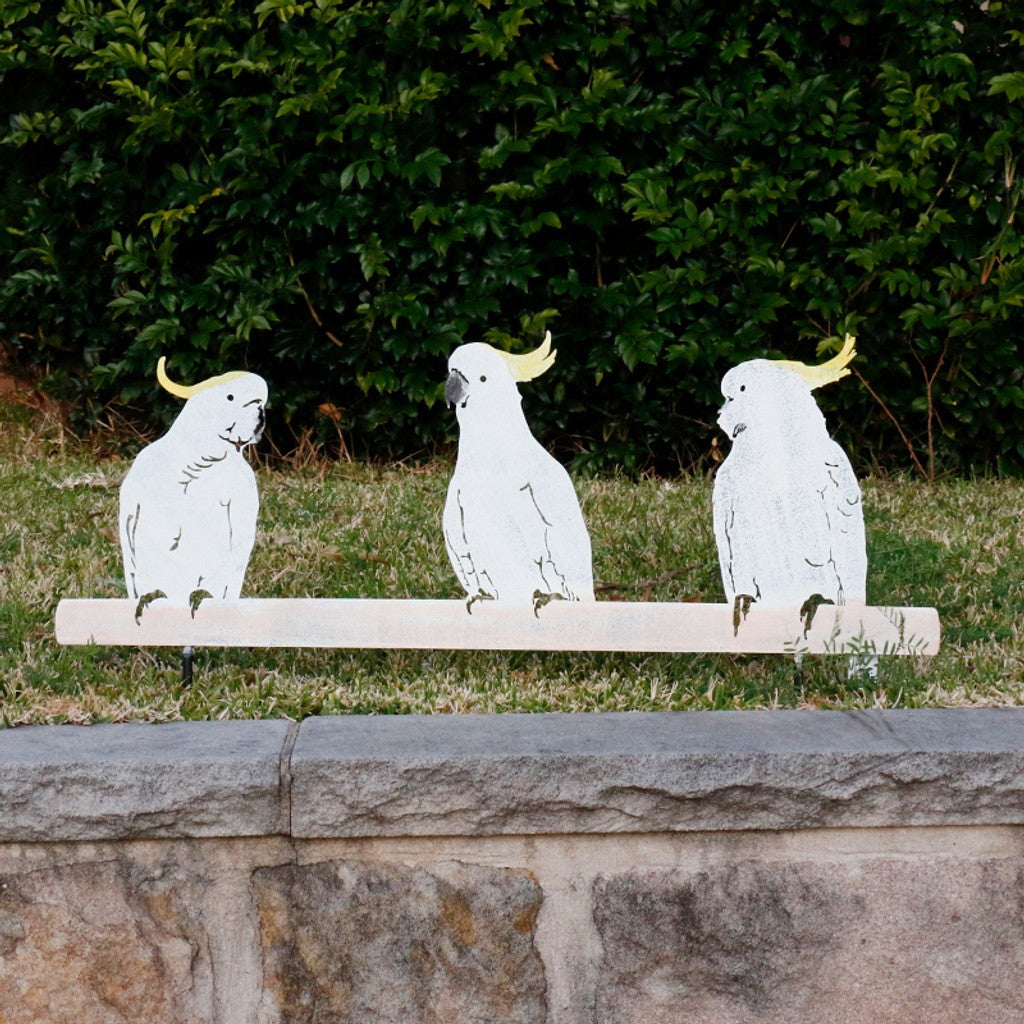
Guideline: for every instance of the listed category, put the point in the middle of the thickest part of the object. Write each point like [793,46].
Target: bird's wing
[239,513]
[176,539]
[845,514]
[721,510]
[562,543]
[149,532]
[454,526]
[739,556]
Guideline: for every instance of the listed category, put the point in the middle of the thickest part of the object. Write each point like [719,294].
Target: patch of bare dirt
[18,389]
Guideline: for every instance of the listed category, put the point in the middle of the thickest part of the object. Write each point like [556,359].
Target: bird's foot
[809,608]
[196,598]
[480,595]
[540,599]
[740,607]
[144,602]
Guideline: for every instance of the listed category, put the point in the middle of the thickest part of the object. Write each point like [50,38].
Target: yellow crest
[825,373]
[529,365]
[181,391]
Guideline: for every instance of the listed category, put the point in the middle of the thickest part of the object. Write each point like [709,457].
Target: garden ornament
[189,502]
[788,518]
[512,522]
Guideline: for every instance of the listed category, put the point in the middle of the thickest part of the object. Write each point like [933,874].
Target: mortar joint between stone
[285,776]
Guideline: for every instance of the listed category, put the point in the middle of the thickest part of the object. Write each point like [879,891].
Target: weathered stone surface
[530,774]
[138,781]
[879,940]
[102,943]
[363,943]
[513,774]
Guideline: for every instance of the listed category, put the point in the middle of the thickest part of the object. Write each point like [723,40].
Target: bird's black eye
[483,377]
[231,398]
[743,387]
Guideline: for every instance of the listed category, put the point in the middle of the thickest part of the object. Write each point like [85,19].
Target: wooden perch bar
[446,625]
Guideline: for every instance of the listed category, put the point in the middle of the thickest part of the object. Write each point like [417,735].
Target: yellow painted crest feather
[183,391]
[825,373]
[529,365]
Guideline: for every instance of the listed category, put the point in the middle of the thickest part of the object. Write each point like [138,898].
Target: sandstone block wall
[720,868]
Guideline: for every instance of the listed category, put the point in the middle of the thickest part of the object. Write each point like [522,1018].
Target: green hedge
[335,194]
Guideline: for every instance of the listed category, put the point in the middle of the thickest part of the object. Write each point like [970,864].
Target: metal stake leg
[186,666]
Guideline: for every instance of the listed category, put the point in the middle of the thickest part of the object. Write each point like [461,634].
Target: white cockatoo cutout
[189,502]
[788,518]
[512,522]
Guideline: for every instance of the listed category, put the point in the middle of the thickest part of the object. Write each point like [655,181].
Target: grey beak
[455,390]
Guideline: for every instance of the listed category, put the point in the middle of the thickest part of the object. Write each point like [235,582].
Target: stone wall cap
[656,771]
[445,775]
[631,733]
[142,741]
[137,780]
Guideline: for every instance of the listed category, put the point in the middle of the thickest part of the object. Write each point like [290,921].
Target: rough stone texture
[534,774]
[109,942]
[415,885]
[874,941]
[388,944]
[136,781]
[365,776]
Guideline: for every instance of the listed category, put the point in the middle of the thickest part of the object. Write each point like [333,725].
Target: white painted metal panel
[446,625]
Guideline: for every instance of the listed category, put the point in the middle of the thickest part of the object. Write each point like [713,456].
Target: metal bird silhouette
[188,504]
[513,527]
[788,517]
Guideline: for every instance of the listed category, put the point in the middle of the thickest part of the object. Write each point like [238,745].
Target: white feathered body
[513,527]
[512,522]
[788,516]
[189,503]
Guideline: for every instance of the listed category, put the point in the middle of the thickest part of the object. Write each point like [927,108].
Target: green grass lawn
[342,530]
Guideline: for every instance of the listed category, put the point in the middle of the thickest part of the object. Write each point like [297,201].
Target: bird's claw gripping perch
[480,595]
[540,599]
[740,607]
[809,608]
[144,602]
[196,598]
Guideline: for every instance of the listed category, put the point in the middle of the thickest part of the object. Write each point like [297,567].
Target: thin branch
[929,382]
[896,423]
[789,234]
[309,303]
[949,178]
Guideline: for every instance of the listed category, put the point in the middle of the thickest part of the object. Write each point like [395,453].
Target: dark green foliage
[336,194]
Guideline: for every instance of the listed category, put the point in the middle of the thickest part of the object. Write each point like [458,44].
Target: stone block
[627,772]
[142,781]
[107,942]
[857,941]
[369,943]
